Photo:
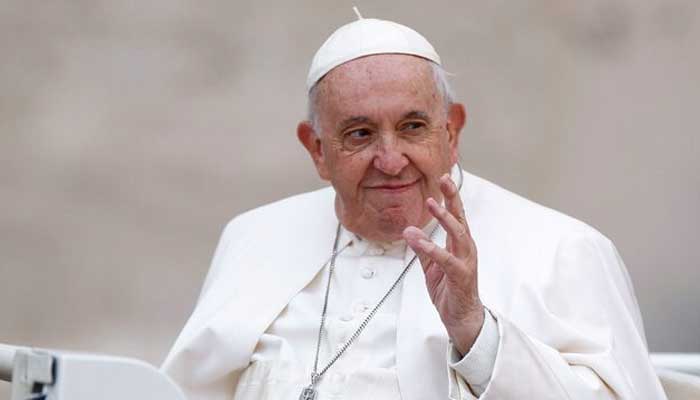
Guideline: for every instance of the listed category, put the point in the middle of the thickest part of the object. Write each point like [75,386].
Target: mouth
[394,187]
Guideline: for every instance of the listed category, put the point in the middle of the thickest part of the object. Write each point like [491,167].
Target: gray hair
[439,75]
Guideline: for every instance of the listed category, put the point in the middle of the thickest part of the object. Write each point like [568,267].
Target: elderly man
[408,278]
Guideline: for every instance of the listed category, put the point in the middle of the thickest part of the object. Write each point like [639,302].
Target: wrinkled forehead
[377,81]
[374,70]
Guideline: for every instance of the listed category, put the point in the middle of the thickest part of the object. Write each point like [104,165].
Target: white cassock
[565,324]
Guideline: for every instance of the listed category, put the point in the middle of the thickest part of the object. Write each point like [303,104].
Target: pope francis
[407,278]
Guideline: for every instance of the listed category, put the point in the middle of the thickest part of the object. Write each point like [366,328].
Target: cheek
[444,153]
[431,157]
[350,170]
[432,160]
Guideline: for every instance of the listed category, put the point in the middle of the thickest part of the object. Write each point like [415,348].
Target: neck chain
[309,392]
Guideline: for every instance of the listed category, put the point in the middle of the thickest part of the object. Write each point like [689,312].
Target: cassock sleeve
[576,333]
[475,368]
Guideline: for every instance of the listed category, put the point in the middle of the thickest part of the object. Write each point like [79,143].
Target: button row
[360,308]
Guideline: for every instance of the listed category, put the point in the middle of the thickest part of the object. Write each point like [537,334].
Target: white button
[367,273]
[361,308]
[346,317]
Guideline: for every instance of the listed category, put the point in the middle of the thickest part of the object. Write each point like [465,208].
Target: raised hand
[451,273]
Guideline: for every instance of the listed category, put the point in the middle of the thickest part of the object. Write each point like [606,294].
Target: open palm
[451,273]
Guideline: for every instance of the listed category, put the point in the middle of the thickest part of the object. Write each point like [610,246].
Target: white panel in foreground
[86,376]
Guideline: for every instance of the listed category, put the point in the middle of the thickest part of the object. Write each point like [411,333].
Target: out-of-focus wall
[130,132]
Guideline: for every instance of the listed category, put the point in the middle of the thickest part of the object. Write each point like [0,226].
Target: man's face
[383,139]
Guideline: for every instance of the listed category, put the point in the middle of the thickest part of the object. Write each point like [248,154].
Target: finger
[456,231]
[413,235]
[432,271]
[453,201]
[428,251]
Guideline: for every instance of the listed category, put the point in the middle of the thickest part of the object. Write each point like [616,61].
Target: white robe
[282,362]
[569,324]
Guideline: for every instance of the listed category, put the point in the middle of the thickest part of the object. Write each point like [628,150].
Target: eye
[357,138]
[412,125]
[358,134]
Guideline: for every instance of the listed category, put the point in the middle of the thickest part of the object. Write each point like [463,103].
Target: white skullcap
[365,37]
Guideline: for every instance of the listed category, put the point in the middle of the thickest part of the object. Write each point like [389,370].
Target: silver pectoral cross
[309,393]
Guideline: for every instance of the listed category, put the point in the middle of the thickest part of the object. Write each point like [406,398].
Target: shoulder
[531,242]
[285,215]
[288,225]
[527,249]
[509,215]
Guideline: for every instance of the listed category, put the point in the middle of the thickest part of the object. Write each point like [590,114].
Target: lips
[394,187]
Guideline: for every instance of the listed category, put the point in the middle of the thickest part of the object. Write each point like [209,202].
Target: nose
[389,157]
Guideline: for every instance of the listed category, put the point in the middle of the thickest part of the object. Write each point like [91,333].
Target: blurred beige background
[130,132]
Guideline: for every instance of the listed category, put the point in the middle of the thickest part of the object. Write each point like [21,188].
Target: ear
[456,118]
[311,140]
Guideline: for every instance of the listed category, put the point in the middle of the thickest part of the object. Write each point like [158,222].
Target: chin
[394,220]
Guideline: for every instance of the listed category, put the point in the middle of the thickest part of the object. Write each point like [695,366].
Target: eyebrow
[416,115]
[353,121]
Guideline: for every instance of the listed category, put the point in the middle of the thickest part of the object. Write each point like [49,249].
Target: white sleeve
[473,371]
[573,333]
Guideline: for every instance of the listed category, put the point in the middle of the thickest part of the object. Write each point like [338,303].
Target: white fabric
[283,358]
[679,385]
[365,37]
[475,368]
[568,321]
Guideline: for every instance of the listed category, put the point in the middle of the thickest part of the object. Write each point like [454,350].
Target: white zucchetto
[365,37]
